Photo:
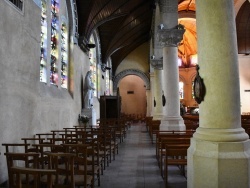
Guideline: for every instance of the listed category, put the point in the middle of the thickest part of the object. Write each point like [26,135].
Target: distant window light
[17,3]
[179,62]
[93,64]
[181,90]
[194,59]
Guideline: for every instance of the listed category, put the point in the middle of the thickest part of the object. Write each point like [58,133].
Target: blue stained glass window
[54,42]
[43,44]
[92,57]
[64,56]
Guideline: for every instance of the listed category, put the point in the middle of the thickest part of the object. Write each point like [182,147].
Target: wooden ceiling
[123,25]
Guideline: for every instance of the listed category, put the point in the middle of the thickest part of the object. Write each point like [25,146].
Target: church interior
[123,67]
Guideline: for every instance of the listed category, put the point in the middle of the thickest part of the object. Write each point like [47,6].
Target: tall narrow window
[54,42]
[64,56]
[92,57]
[181,90]
[107,92]
[43,55]
[107,83]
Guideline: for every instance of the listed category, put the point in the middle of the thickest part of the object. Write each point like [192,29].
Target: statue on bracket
[88,90]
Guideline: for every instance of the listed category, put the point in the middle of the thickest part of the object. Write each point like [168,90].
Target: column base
[218,164]
[221,135]
[172,123]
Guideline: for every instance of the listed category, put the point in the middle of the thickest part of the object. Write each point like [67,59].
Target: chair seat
[79,180]
[61,179]
[89,169]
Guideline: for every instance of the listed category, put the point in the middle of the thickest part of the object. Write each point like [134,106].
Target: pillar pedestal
[219,154]
[218,164]
[172,123]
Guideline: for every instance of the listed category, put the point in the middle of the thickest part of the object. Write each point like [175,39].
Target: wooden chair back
[36,175]
[63,164]
[20,160]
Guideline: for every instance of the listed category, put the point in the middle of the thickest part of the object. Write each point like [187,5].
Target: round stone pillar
[149,103]
[158,108]
[219,155]
[150,95]
[169,37]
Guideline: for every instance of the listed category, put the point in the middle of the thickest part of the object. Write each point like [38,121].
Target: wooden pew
[165,142]
[162,134]
[191,121]
[175,155]
[148,120]
[154,127]
[164,138]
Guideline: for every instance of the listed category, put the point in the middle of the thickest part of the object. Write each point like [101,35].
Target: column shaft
[158,109]
[171,111]
[219,155]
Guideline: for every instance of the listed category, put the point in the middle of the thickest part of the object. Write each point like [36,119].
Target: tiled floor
[136,166]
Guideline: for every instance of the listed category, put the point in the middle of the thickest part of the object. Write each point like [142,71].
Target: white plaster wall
[137,59]
[244,70]
[27,106]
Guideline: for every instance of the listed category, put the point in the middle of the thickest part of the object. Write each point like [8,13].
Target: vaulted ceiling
[123,25]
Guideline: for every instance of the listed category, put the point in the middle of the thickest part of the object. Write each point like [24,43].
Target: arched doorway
[133,95]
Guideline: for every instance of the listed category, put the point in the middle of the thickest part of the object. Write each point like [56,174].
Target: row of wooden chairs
[171,149]
[42,160]
[135,117]
[70,157]
[191,121]
[171,146]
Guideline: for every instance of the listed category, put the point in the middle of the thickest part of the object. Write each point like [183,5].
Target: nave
[136,166]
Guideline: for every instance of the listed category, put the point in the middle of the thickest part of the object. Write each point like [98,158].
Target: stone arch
[127,72]
[183,79]
[73,17]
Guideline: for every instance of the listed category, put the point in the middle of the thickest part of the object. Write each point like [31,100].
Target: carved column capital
[157,63]
[170,37]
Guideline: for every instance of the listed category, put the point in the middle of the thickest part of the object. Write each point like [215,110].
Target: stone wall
[27,106]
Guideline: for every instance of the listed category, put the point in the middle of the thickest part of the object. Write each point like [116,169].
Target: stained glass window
[54,42]
[54,58]
[181,90]
[107,92]
[64,56]
[107,83]
[92,58]
[43,45]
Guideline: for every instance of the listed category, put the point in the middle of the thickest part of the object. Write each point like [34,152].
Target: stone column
[156,63]
[149,103]
[158,108]
[169,36]
[219,155]
[150,93]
